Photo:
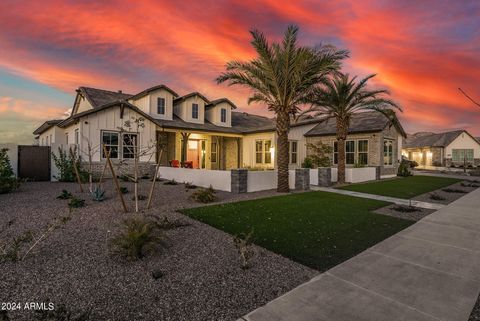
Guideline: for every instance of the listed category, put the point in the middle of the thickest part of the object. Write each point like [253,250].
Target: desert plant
[140,197]
[171,182]
[405,208]
[339,98]
[454,190]
[243,244]
[65,195]
[190,186]
[76,203]
[138,236]
[404,169]
[436,197]
[204,195]
[281,77]
[98,194]
[10,251]
[8,181]
[65,163]
[165,223]
[123,190]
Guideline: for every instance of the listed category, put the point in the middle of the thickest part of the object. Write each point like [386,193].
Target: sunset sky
[421,50]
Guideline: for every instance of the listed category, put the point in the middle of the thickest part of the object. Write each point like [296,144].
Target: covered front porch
[199,150]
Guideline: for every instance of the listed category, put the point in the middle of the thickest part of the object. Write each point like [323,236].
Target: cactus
[98,194]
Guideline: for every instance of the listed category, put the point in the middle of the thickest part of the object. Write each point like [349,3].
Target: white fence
[265,180]
[356,175]
[220,180]
[314,176]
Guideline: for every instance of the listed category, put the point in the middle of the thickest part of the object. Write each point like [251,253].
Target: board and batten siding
[213,114]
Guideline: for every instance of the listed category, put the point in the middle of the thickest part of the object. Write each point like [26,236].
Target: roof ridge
[105,90]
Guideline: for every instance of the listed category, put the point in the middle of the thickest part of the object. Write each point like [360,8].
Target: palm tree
[339,98]
[282,76]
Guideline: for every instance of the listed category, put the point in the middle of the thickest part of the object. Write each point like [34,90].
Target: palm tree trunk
[283,126]
[341,137]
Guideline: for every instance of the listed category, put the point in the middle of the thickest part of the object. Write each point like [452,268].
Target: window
[195,111]
[110,140]
[51,139]
[293,151]
[350,152]
[76,136]
[213,152]
[258,151]
[387,152]
[161,106]
[66,138]
[461,155]
[362,153]
[129,145]
[268,153]
[223,115]
[335,152]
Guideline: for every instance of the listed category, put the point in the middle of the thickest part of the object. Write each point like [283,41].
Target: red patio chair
[174,163]
[188,164]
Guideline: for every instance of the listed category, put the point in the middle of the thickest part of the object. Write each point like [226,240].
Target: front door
[196,153]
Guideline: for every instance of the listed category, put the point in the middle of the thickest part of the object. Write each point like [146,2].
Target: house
[203,133]
[373,141]
[452,148]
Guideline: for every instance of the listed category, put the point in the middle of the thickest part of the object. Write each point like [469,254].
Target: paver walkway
[399,201]
[429,271]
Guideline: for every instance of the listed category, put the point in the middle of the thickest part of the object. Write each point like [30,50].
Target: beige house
[204,134]
[454,148]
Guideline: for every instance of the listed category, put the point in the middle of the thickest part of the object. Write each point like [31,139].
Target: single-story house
[208,134]
[453,148]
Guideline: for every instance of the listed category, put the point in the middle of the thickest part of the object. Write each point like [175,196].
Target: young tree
[339,98]
[282,76]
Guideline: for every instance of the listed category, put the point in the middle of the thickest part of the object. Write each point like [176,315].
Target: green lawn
[317,229]
[403,187]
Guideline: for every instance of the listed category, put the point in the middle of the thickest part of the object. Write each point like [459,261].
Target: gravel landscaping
[202,278]
[448,197]
[416,215]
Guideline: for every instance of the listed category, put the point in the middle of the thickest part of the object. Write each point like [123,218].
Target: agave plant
[98,194]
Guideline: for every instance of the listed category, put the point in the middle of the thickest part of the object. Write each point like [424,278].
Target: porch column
[185,137]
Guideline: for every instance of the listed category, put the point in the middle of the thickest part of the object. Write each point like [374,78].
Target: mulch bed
[202,278]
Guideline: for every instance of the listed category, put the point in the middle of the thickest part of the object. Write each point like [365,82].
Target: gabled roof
[365,122]
[215,102]
[426,139]
[149,90]
[192,94]
[99,97]
[46,126]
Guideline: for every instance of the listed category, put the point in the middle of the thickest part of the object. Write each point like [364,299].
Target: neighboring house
[372,140]
[208,133]
[442,149]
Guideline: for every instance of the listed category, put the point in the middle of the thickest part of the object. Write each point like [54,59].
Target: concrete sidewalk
[429,271]
[399,201]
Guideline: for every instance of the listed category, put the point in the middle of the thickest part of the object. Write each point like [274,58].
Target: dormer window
[161,106]
[223,115]
[195,111]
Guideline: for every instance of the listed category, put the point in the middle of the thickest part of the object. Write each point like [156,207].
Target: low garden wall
[352,175]
[220,180]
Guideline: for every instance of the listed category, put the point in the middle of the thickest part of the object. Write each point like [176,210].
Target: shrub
[436,197]
[139,235]
[243,243]
[307,162]
[413,164]
[123,190]
[319,154]
[65,163]
[8,182]
[140,197]
[454,190]
[165,223]
[405,209]
[124,178]
[76,203]
[204,195]
[65,195]
[172,182]
[190,186]
[404,169]
[98,194]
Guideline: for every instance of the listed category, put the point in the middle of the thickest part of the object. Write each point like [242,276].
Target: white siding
[213,115]
[249,149]
[297,133]
[184,110]
[463,141]
[148,104]
[83,105]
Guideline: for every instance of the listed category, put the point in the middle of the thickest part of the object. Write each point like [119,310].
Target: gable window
[462,155]
[76,136]
[263,154]
[66,138]
[362,153]
[161,106]
[195,111]
[387,152]
[110,140]
[129,145]
[293,148]
[223,115]
[213,152]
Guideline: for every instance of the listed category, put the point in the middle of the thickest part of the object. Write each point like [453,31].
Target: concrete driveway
[429,271]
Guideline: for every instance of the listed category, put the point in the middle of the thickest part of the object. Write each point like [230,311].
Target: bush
[140,197]
[190,186]
[204,195]
[405,209]
[139,235]
[436,197]
[243,243]
[413,164]
[319,154]
[123,190]
[65,164]
[404,169]
[124,178]
[307,162]
[76,203]
[454,190]
[65,195]
[172,182]
[8,181]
